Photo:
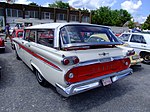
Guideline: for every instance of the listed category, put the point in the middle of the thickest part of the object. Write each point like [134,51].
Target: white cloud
[46,4]
[131,6]
[91,4]
[23,1]
[140,19]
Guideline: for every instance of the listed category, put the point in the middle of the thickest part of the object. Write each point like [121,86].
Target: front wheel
[17,56]
[41,79]
[146,58]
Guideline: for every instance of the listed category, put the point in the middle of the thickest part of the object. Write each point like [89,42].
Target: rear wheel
[146,58]
[41,79]
[3,50]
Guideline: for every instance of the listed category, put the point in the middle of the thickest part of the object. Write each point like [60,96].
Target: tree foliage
[106,16]
[146,24]
[84,10]
[59,4]
[131,24]
[33,4]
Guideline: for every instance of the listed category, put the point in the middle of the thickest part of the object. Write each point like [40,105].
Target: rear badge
[104,54]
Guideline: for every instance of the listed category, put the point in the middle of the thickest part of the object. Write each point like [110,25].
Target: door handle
[28,45]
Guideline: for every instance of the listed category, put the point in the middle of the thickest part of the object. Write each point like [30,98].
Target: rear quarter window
[46,37]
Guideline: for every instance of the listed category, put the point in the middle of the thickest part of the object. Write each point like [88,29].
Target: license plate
[106,81]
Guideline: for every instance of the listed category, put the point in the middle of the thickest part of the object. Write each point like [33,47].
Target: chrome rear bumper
[2,47]
[90,84]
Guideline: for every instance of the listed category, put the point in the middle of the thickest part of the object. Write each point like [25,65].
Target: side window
[30,35]
[138,39]
[27,33]
[46,37]
[125,37]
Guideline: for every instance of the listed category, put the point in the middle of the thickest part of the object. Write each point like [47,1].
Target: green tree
[106,16]
[33,4]
[131,24]
[59,4]
[146,24]
[84,10]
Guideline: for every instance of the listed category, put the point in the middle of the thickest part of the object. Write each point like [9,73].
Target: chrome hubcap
[39,77]
[147,58]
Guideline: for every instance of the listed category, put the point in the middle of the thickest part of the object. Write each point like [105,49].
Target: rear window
[86,34]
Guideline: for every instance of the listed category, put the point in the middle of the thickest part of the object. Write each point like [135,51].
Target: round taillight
[66,61]
[75,60]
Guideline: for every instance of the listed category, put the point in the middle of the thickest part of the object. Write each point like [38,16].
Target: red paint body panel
[15,33]
[2,44]
[96,70]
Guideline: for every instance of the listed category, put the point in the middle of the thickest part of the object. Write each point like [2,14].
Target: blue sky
[139,9]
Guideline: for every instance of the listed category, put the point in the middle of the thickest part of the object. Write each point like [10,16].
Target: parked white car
[61,54]
[140,42]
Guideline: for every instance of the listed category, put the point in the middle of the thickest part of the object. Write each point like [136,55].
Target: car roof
[19,30]
[56,25]
[138,33]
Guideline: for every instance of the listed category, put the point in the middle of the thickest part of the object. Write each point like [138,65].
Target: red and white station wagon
[64,55]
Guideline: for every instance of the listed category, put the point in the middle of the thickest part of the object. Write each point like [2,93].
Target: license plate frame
[106,81]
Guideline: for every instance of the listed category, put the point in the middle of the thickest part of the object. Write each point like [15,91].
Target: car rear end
[2,45]
[99,62]
[94,73]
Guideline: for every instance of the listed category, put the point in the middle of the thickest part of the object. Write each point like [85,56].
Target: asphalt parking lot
[20,92]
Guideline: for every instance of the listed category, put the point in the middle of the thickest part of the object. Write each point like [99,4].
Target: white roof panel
[56,25]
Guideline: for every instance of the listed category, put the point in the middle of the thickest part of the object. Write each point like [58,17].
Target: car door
[137,42]
[29,40]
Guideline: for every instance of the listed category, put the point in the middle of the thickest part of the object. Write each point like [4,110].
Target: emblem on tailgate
[104,54]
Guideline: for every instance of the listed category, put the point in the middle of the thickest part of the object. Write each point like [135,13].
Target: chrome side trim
[90,84]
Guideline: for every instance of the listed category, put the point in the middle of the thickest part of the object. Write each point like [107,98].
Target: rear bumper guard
[83,86]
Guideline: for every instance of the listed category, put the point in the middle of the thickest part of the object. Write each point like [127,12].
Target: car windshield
[20,33]
[125,37]
[87,34]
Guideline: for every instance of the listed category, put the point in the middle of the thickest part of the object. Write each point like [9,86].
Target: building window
[20,14]
[42,15]
[61,16]
[85,19]
[74,17]
[47,15]
[52,16]
[31,14]
[8,12]
[1,12]
[27,14]
[36,14]
[14,13]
